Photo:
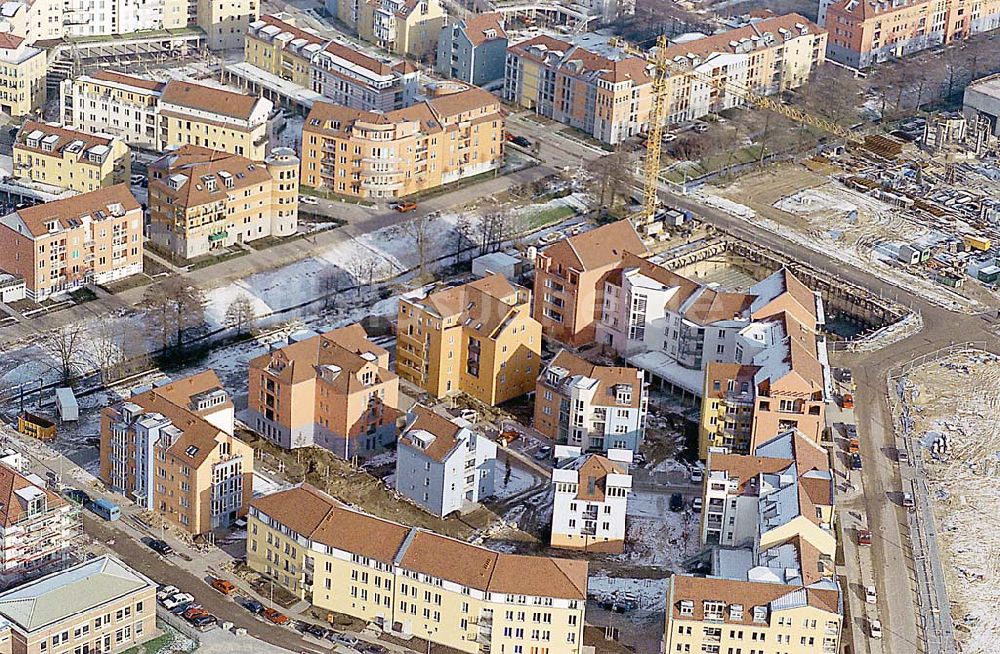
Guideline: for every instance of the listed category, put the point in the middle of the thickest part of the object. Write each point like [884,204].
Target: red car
[277,617]
[864,537]
[191,614]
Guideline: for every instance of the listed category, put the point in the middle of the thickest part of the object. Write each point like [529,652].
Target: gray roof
[68,593]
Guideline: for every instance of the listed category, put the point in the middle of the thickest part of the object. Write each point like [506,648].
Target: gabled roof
[582,63]
[592,475]
[781,283]
[479,27]
[751,35]
[103,200]
[746,594]
[64,137]
[607,378]
[210,99]
[444,431]
[483,305]
[200,165]
[128,80]
[598,248]
[284,26]
[11,508]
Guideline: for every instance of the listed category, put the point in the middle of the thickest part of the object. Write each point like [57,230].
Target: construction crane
[664,68]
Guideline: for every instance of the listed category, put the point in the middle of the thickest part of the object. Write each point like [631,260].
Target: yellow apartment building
[395,154]
[210,117]
[22,76]
[59,246]
[334,390]
[171,450]
[274,44]
[708,614]
[202,200]
[68,158]
[100,605]
[478,339]
[404,27]
[414,582]
[225,23]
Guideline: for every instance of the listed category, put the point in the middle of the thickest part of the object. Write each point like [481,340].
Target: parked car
[701,128]
[855,462]
[181,608]
[696,505]
[315,631]
[347,640]
[192,613]
[275,616]
[901,455]
[223,586]
[875,628]
[851,430]
[543,453]
[521,141]
[176,600]
[864,537]
[908,500]
[870,595]
[166,591]
[854,446]
[676,502]
[847,401]
[668,137]
[252,605]
[405,207]
[161,547]
[205,621]
[846,376]
[697,476]
[77,496]
[137,179]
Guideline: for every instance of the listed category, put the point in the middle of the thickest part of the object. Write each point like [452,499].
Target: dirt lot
[761,190]
[960,399]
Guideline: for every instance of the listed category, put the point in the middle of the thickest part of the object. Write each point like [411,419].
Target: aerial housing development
[413,326]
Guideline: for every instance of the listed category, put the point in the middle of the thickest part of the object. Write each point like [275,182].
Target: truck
[976,242]
[69,410]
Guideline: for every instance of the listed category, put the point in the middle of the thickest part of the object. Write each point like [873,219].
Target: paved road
[894,573]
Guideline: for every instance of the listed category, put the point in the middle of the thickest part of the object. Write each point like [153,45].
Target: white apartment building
[590,499]
[595,408]
[37,527]
[354,79]
[443,465]
[673,327]
[115,104]
[56,19]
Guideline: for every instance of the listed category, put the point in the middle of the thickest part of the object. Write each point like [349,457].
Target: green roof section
[70,592]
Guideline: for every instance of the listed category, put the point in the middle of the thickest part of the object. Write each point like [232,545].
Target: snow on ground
[651,593]
[657,536]
[520,481]
[264,485]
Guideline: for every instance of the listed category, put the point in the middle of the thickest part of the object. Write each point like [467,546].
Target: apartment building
[403,27]
[590,499]
[569,280]
[22,76]
[478,339]
[414,582]
[171,449]
[772,582]
[38,528]
[59,246]
[275,45]
[100,605]
[473,49]
[71,159]
[442,464]
[790,471]
[113,104]
[981,105]
[595,408]
[202,200]
[391,155]
[53,20]
[867,32]
[359,81]
[596,88]
[768,55]
[225,23]
[210,117]
[334,390]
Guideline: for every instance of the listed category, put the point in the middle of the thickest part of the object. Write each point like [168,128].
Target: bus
[106,509]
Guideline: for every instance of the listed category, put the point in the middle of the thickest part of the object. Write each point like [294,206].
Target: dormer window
[714,609]
[623,394]
[687,607]
[736,612]
[760,614]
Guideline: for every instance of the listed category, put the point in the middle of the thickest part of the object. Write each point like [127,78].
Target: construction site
[949,413]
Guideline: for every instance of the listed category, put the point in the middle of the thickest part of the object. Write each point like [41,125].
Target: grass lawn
[688,170]
[548,216]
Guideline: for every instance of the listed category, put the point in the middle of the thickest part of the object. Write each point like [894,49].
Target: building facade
[478,339]
[210,117]
[22,76]
[334,390]
[569,280]
[442,464]
[473,49]
[274,44]
[411,581]
[114,104]
[359,81]
[981,104]
[171,450]
[68,158]
[607,94]
[59,246]
[590,499]
[101,605]
[202,200]
[866,33]
[392,155]
[225,23]
[38,528]
[403,27]
[595,408]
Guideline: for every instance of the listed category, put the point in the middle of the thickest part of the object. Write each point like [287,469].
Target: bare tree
[240,314]
[463,234]
[613,172]
[333,281]
[174,306]
[65,345]
[421,230]
[365,269]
